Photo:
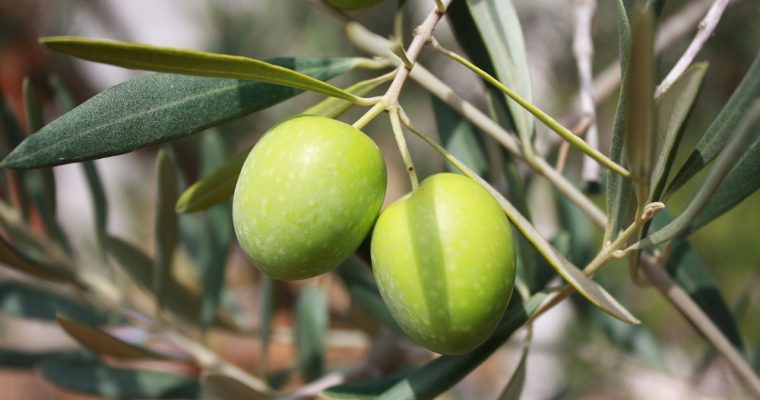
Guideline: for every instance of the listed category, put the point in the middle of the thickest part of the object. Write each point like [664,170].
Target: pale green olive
[444,261]
[307,196]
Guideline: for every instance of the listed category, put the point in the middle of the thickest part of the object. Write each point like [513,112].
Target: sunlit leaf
[502,35]
[156,108]
[189,62]
[311,331]
[214,188]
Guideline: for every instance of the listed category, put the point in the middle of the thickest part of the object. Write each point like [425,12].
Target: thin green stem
[398,133]
[373,112]
[550,122]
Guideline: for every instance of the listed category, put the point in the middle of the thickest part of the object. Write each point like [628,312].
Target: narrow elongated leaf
[214,188]
[502,34]
[156,108]
[722,128]
[28,302]
[223,387]
[439,375]
[738,185]
[737,146]
[11,257]
[167,234]
[90,376]
[100,342]
[217,223]
[672,109]
[189,62]
[459,138]
[311,331]
[619,191]
[641,119]
[332,107]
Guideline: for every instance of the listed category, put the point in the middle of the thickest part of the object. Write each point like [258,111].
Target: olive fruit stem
[373,112]
[550,122]
[398,133]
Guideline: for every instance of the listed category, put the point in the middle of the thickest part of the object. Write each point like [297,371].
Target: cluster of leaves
[193,91]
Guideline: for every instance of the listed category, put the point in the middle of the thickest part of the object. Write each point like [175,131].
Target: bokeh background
[572,356]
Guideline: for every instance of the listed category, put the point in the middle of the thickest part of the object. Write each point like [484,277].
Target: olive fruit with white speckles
[353,4]
[444,262]
[307,195]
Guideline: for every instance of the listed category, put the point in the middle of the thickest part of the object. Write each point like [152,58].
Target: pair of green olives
[443,257]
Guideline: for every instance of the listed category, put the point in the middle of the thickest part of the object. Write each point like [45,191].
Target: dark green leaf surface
[166,225]
[500,29]
[214,188]
[311,331]
[741,182]
[90,376]
[619,191]
[439,375]
[156,108]
[102,343]
[28,302]
[189,62]
[459,138]
[722,128]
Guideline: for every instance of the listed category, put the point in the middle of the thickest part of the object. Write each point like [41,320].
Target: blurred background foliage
[576,351]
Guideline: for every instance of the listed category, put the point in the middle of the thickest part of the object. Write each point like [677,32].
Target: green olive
[307,195]
[444,261]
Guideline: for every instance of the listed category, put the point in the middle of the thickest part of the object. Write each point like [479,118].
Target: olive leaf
[29,302]
[311,331]
[103,343]
[189,62]
[722,128]
[90,376]
[156,108]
